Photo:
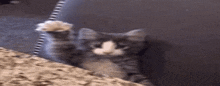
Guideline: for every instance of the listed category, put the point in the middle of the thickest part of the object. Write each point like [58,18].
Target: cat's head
[112,44]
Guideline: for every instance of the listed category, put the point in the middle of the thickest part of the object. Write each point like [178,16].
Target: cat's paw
[101,75]
[57,26]
[146,83]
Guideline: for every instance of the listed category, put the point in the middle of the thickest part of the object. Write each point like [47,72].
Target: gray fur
[65,49]
[136,35]
[61,47]
[124,64]
[86,33]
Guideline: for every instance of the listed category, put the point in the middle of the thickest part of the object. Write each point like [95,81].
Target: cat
[107,54]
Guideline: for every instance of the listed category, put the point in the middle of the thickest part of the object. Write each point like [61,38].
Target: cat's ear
[136,35]
[86,33]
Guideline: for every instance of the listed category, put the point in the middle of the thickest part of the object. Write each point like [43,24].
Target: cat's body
[107,54]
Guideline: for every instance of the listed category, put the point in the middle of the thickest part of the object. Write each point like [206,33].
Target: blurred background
[191,27]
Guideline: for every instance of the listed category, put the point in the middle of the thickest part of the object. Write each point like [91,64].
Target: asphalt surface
[192,27]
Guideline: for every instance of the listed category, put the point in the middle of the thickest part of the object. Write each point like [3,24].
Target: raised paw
[57,26]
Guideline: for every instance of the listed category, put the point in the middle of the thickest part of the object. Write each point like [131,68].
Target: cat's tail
[52,17]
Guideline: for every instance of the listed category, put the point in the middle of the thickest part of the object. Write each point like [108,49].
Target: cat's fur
[107,54]
[61,42]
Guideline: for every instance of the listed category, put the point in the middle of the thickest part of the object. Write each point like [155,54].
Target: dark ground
[191,26]
[17,23]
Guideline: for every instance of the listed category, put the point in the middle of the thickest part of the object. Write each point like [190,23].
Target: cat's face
[111,44]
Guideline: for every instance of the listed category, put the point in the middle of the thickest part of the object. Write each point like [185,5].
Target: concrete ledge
[20,69]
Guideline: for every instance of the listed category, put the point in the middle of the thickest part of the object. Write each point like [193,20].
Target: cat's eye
[96,45]
[123,45]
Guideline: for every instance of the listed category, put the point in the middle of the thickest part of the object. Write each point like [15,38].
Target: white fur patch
[54,26]
[108,48]
[104,67]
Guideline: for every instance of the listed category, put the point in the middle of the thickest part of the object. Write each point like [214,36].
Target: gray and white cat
[107,54]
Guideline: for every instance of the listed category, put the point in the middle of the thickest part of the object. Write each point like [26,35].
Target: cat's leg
[131,67]
[139,78]
[60,46]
